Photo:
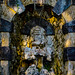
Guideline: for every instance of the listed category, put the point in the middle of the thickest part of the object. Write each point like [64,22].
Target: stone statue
[40,47]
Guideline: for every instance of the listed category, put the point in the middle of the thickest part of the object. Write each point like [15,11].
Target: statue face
[38,33]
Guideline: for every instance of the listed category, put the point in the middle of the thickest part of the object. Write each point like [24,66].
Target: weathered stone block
[69,27]
[16,5]
[69,53]
[69,40]
[61,6]
[6,26]
[7,13]
[5,53]
[5,67]
[5,39]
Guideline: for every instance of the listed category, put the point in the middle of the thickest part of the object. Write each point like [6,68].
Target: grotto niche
[35,41]
[41,43]
[40,47]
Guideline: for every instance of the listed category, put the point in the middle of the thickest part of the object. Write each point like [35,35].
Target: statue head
[38,34]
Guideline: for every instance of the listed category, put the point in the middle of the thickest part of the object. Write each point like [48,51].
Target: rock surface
[32,70]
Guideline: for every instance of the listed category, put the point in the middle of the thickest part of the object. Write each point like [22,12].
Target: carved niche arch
[38,22]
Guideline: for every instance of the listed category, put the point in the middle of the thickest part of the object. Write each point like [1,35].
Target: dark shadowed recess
[38,22]
[73,2]
[47,8]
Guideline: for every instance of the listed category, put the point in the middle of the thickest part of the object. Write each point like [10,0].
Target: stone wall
[20,41]
[57,39]
[67,14]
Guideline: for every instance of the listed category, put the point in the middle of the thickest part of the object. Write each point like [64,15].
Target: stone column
[5,53]
[69,50]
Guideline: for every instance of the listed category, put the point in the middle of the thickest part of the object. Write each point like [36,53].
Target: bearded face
[38,34]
